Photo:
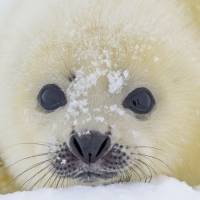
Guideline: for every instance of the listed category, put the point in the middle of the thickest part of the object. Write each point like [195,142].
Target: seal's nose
[89,147]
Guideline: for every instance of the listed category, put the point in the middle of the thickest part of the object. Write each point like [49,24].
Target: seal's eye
[140,101]
[51,97]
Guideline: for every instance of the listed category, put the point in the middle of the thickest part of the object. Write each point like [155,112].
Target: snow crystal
[99,119]
[63,162]
[115,108]
[58,158]
[161,188]
[125,73]
[116,80]
[84,132]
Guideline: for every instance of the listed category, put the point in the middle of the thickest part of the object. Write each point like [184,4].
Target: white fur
[44,41]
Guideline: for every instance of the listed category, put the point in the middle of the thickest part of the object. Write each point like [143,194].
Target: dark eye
[51,97]
[140,101]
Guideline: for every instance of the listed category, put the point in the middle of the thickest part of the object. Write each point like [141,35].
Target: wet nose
[89,147]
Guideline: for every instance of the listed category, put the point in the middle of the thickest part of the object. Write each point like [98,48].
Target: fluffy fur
[154,42]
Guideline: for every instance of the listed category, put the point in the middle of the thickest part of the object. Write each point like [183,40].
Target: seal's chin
[92,178]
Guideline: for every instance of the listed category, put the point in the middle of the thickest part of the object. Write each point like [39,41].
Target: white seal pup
[98,92]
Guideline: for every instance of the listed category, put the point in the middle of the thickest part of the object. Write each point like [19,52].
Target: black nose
[89,147]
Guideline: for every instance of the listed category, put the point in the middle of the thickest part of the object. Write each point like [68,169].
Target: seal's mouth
[108,167]
[91,177]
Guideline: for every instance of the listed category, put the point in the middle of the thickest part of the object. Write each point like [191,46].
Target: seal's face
[95,105]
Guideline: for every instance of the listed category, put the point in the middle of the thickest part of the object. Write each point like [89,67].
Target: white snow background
[160,188]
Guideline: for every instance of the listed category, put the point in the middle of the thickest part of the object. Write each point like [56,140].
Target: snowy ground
[160,189]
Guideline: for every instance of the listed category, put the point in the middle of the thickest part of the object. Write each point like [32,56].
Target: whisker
[149,147]
[41,178]
[147,176]
[22,173]
[63,181]
[49,179]
[58,182]
[136,173]
[134,166]
[148,168]
[36,143]
[47,145]
[124,175]
[141,170]
[129,175]
[153,170]
[120,172]
[155,158]
[32,177]
[18,161]
[54,180]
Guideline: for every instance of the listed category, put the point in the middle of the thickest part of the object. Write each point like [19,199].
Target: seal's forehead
[93,48]
[98,54]
[114,57]
[96,48]
[100,34]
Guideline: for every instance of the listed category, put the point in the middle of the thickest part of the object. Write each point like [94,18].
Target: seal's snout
[89,147]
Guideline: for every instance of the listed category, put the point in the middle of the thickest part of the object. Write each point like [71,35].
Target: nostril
[104,147]
[76,146]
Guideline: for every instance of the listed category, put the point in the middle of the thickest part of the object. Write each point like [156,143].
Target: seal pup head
[91,96]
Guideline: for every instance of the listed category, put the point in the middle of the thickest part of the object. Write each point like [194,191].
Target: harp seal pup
[98,92]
